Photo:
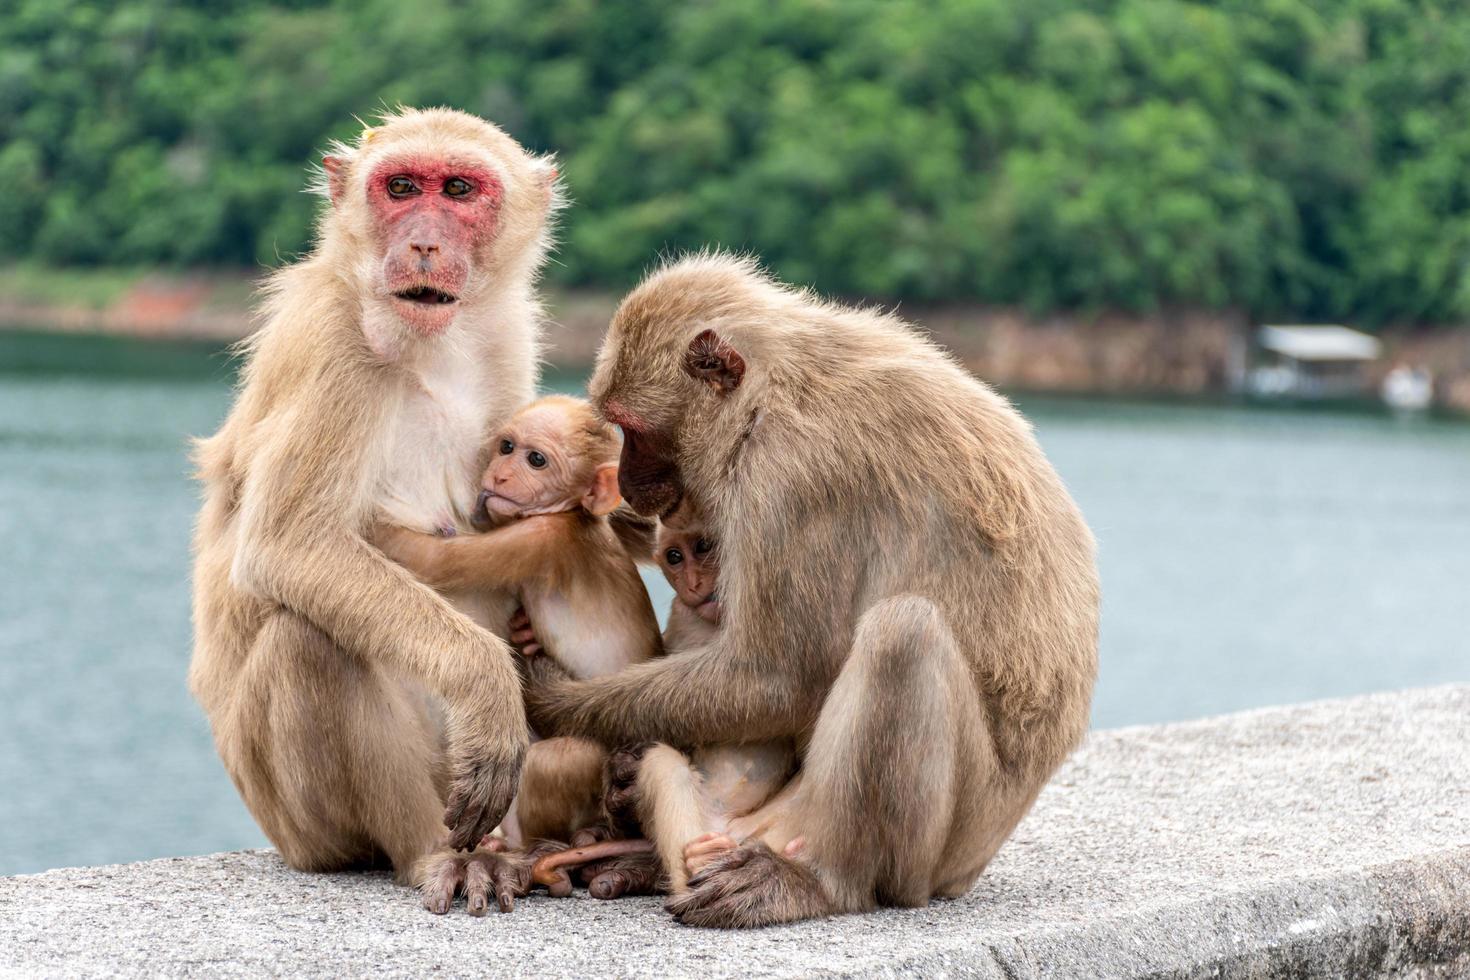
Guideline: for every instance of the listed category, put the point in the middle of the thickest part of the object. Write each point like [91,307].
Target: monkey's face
[429,212]
[430,217]
[655,400]
[689,562]
[648,470]
[531,471]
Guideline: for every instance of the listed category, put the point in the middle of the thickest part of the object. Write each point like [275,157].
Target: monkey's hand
[523,633]
[485,769]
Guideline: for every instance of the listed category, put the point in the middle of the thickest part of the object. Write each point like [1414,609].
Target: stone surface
[1324,839]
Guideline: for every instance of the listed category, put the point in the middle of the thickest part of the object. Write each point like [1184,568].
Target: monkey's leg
[872,821]
[671,809]
[336,761]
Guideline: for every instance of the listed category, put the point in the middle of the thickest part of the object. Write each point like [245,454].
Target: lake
[1249,557]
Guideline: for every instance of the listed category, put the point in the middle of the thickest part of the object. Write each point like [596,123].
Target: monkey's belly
[739,778]
[587,642]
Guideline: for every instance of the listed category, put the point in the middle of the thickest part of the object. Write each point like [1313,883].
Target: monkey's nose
[424,249]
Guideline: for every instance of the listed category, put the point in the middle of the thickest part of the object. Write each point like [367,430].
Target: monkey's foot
[627,874]
[552,869]
[486,870]
[748,887]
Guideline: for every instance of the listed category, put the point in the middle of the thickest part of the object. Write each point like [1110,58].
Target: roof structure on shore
[1320,342]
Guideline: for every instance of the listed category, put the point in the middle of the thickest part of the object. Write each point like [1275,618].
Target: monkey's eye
[457,187]
[401,186]
[702,547]
[674,556]
[507,447]
[536,460]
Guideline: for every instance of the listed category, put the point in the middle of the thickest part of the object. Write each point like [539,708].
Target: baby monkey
[551,481]
[544,500]
[691,807]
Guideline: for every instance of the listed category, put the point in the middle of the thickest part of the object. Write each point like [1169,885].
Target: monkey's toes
[632,874]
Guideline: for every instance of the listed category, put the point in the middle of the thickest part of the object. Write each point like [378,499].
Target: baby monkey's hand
[523,634]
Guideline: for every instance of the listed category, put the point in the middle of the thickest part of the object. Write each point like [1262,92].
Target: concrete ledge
[1322,839]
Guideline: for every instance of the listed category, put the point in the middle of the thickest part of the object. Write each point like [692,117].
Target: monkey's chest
[430,465]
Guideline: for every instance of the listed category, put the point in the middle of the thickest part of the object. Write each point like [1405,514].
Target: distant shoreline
[1176,352]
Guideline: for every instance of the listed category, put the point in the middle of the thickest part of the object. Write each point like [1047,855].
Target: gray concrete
[1325,839]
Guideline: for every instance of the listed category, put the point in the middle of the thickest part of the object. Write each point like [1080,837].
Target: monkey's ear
[335,168]
[711,360]
[547,173]
[603,497]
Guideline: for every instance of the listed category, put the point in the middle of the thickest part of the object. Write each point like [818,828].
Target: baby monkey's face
[530,472]
[690,562]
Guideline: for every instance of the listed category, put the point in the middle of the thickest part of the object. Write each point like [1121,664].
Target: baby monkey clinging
[551,481]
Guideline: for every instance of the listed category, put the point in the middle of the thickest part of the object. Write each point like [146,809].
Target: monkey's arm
[299,545]
[635,532]
[753,681]
[535,549]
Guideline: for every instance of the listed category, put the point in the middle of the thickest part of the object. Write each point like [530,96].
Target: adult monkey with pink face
[907,591]
[348,701]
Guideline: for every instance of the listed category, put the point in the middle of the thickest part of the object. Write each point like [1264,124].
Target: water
[1248,558]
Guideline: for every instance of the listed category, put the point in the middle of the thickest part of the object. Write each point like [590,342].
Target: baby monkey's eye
[457,187]
[536,460]
[401,186]
[507,447]
[674,556]
[702,547]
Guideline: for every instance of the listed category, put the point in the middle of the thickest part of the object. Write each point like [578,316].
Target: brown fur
[347,700]
[570,572]
[897,557]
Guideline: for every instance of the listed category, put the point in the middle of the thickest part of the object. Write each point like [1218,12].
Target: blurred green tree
[1287,157]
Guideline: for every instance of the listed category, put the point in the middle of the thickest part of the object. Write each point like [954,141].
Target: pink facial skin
[428,235]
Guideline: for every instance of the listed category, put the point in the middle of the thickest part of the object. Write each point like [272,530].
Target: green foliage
[1288,157]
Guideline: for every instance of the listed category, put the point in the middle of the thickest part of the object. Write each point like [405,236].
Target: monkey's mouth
[426,296]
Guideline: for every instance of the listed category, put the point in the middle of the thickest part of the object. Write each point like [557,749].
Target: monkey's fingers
[729,861]
[478,799]
[699,852]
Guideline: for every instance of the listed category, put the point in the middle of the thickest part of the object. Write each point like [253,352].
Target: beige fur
[908,589]
[346,698]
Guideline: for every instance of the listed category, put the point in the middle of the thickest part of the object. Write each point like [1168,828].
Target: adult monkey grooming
[907,589]
[388,355]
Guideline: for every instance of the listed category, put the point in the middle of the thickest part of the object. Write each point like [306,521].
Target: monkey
[908,590]
[363,717]
[702,796]
[679,801]
[544,500]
